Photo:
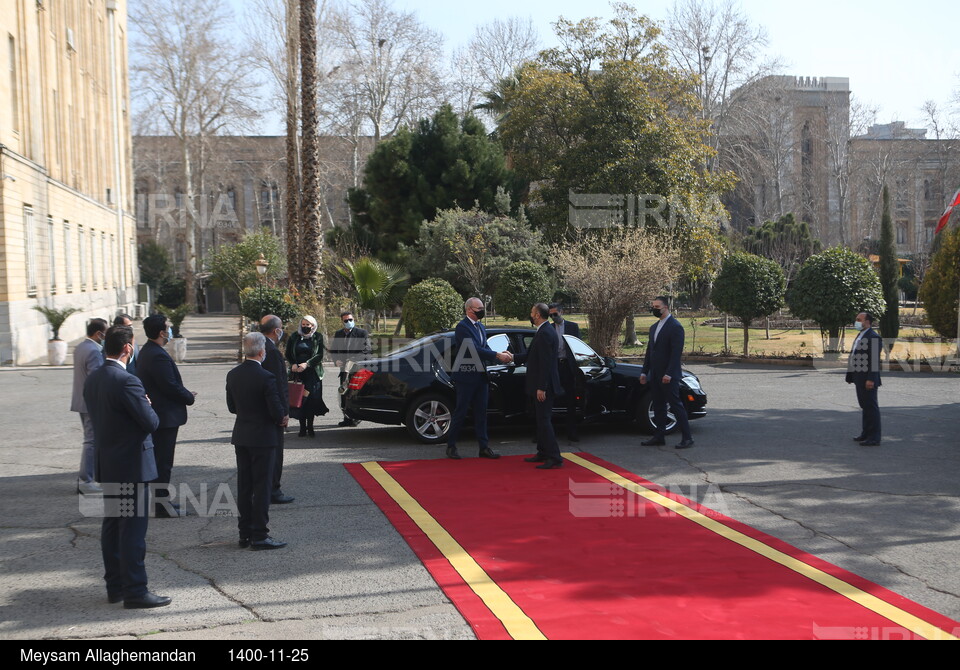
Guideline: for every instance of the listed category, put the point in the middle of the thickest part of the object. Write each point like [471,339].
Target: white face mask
[858,325]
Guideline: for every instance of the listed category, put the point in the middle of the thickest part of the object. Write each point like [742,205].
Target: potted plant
[56,348]
[179,342]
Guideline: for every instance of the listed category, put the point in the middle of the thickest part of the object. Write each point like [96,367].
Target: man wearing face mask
[469,377]
[170,399]
[87,357]
[349,344]
[271,327]
[863,371]
[661,369]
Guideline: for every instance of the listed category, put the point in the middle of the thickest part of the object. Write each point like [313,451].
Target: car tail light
[691,398]
[358,379]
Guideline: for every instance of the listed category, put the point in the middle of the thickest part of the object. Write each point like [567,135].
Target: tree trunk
[312,240]
[293,186]
[631,339]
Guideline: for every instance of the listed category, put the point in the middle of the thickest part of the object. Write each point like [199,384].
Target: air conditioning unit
[140,311]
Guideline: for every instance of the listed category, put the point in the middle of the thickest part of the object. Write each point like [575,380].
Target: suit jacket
[471,353]
[569,328]
[275,365]
[252,396]
[122,422]
[352,345]
[541,360]
[663,355]
[864,362]
[87,357]
[163,383]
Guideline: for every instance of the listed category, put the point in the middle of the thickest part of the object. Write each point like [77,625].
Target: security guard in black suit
[122,422]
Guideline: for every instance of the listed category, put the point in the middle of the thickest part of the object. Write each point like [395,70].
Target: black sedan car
[412,387]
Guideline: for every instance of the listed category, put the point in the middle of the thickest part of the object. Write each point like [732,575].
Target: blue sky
[896,54]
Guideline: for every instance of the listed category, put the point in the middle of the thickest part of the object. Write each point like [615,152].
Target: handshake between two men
[505,357]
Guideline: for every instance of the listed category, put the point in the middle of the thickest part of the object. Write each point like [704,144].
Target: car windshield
[438,341]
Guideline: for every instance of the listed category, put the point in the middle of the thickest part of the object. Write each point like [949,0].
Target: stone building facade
[244,181]
[922,174]
[67,232]
[786,141]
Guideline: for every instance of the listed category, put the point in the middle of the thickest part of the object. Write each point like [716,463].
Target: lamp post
[261,264]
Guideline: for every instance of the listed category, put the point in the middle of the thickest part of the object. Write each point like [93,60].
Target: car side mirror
[609,362]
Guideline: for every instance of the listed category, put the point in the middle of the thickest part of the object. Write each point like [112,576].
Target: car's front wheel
[428,418]
[647,420]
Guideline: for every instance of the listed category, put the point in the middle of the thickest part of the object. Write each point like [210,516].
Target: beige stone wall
[63,240]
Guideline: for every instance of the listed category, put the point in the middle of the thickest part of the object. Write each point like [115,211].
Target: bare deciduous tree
[719,44]
[612,273]
[390,59]
[196,83]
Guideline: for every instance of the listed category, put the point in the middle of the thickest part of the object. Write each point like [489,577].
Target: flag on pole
[945,219]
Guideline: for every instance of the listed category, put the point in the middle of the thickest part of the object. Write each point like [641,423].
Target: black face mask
[657,313]
[532,322]
[556,318]
[479,314]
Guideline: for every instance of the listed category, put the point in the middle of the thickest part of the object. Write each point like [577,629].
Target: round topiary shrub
[432,305]
[521,285]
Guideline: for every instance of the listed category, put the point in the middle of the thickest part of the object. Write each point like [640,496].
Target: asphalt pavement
[775,452]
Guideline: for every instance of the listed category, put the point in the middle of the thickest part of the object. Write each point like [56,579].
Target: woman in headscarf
[305,350]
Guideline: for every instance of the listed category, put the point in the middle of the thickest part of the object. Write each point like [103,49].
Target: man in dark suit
[122,423]
[661,368]
[469,375]
[349,344]
[272,328]
[543,385]
[170,399]
[252,396]
[863,371]
[567,366]
[87,357]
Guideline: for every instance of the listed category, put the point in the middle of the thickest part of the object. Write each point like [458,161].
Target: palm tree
[375,284]
[56,317]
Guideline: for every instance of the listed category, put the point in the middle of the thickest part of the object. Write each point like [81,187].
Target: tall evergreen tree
[444,163]
[889,274]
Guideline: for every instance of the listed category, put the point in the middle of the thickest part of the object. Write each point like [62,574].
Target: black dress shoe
[146,601]
[267,543]
[686,444]
[452,454]
[653,442]
[859,438]
[281,499]
[550,464]
[243,542]
[870,443]
[489,453]
[302,433]
[114,599]
[536,459]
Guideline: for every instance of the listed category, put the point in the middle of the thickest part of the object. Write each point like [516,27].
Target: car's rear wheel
[647,420]
[428,418]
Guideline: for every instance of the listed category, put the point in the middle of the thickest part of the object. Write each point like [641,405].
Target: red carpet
[583,552]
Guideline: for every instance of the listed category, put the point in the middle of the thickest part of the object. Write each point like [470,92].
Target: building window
[67,256]
[93,260]
[52,255]
[901,233]
[14,101]
[104,260]
[82,251]
[30,247]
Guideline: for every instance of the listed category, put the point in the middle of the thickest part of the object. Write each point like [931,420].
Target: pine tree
[889,276]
